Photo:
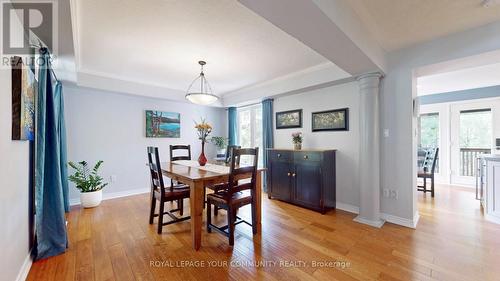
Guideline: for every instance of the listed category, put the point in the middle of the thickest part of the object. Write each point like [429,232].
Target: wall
[14,191]
[110,127]
[347,142]
[464,95]
[398,159]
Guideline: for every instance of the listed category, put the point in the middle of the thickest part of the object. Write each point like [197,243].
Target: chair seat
[217,187]
[176,193]
[424,175]
[238,198]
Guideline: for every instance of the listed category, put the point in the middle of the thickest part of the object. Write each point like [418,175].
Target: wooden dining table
[190,173]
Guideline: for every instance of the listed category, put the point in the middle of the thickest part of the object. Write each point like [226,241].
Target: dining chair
[240,191]
[179,152]
[221,186]
[229,152]
[163,194]
[428,170]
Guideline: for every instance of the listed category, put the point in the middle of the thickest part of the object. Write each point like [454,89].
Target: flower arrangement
[204,129]
[297,140]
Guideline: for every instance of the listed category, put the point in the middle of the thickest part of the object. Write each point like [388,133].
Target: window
[429,135]
[475,138]
[250,129]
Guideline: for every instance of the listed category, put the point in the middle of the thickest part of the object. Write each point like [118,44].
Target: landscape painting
[24,87]
[289,119]
[160,124]
[331,120]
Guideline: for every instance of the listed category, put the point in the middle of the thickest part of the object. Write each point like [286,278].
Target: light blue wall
[479,93]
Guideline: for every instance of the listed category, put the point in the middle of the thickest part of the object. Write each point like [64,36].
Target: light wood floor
[115,242]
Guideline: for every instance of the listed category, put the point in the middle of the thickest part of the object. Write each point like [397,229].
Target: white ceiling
[159,42]
[464,79]
[401,23]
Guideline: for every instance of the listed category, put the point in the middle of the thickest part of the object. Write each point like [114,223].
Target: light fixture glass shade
[201,98]
[202,95]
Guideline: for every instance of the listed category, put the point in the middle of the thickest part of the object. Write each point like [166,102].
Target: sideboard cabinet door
[307,184]
[280,180]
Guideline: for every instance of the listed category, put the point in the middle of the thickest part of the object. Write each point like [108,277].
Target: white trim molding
[387,217]
[113,195]
[25,268]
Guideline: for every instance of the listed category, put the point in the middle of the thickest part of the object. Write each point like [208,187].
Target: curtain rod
[248,105]
[51,70]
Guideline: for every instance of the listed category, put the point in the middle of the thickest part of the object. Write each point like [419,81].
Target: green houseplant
[89,182]
[221,144]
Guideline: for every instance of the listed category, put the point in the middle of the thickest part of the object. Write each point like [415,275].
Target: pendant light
[200,92]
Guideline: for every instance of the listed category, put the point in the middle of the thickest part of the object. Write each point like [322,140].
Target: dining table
[198,177]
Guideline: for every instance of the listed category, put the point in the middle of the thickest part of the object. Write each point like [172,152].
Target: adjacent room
[250,140]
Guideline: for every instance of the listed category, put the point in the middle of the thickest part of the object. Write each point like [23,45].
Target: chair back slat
[155,170]
[174,156]
[229,153]
[237,173]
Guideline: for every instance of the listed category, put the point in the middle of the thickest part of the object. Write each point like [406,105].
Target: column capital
[369,80]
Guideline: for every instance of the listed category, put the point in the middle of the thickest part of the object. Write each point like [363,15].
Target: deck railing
[468,161]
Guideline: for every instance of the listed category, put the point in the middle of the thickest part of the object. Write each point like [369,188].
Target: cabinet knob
[288,174]
[305,156]
[293,175]
[279,155]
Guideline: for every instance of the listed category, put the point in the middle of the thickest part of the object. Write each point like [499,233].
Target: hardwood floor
[115,242]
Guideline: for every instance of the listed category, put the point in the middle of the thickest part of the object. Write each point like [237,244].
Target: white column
[369,155]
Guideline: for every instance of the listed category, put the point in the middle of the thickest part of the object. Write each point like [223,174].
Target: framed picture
[289,119]
[160,124]
[331,120]
[24,87]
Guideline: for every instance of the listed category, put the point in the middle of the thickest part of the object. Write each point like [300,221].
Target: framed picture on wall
[160,124]
[331,120]
[24,88]
[289,119]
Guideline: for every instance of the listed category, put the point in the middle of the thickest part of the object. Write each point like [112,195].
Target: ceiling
[401,23]
[159,43]
[464,79]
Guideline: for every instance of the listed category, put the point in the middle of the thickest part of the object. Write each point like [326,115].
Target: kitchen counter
[489,183]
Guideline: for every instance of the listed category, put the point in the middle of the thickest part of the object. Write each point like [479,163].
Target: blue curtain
[232,116]
[267,132]
[51,182]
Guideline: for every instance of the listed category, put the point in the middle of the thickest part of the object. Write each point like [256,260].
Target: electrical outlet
[385,192]
[394,194]
[113,178]
[386,133]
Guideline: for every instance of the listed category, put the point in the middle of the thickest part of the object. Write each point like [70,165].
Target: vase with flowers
[204,129]
[297,140]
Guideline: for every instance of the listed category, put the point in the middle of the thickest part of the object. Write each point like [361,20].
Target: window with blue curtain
[267,133]
[51,176]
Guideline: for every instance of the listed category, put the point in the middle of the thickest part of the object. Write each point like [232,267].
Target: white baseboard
[387,217]
[411,223]
[112,195]
[375,223]
[25,268]
[347,207]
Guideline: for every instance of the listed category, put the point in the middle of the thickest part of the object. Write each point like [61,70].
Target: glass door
[471,136]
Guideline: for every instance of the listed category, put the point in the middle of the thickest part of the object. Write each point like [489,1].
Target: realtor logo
[26,22]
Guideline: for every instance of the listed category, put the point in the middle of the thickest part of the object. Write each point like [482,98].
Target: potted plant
[89,182]
[297,140]
[221,144]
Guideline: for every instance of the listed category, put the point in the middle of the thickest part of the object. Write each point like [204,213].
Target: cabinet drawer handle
[288,174]
[305,156]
